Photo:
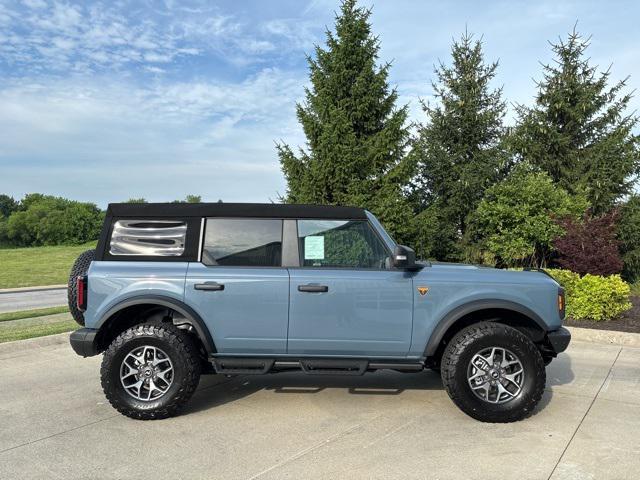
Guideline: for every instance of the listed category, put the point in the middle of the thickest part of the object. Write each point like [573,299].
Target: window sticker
[314,248]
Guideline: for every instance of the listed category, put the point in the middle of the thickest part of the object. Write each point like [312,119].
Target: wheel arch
[137,306]
[502,311]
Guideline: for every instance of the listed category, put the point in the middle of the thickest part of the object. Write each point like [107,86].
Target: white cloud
[90,38]
[162,141]
[296,33]
[66,37]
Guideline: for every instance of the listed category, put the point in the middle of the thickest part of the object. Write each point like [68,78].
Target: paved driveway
[15,301]
[55,423]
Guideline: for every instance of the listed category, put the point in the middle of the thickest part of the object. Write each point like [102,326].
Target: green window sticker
[314,248]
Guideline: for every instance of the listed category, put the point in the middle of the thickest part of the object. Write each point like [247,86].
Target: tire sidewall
[531,363]
[180,372]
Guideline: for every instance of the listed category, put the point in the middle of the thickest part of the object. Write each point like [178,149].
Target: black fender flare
[475,306]
[182,308]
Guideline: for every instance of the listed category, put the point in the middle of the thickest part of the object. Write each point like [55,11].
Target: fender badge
[423,290]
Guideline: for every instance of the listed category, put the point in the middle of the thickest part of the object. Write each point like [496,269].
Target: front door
[240,288]
[346,300]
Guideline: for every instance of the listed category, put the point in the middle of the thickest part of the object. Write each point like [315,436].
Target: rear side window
[340,244]
[243,242]
[163,238]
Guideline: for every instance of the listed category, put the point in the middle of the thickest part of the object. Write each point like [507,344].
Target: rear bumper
[83,342]
[559,339]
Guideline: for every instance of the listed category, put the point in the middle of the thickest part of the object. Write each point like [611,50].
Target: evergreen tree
[459,152]
[577,131]
[356,136]
[629,238]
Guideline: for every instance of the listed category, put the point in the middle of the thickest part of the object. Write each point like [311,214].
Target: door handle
[209,286]
[313,288]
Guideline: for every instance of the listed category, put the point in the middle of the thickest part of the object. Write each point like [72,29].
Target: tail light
[561,302]
[81,299]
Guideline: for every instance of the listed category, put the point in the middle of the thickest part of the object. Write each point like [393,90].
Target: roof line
[258,210]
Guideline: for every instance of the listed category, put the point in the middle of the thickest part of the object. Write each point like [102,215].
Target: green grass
[38,312]
[635,289]
[35,266]
[22,332]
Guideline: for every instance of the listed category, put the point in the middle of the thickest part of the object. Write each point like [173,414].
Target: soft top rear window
[162,238]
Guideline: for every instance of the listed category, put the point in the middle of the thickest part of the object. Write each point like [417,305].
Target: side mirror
[404,258]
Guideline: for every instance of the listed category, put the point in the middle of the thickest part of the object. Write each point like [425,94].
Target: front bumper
[559,339]
[83,342]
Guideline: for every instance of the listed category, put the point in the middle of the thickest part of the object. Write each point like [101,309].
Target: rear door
[345,298]
[239,287]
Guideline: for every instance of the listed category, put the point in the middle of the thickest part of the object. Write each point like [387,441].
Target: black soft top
[255,210]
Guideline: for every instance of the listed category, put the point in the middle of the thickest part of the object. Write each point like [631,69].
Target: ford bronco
[176,290]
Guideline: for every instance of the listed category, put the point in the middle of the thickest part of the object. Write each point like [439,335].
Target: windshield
[391,243]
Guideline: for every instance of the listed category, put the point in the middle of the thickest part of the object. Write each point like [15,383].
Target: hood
[489,274]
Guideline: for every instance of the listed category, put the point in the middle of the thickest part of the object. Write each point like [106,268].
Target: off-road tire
[79,269]
[179,347]
[475,338]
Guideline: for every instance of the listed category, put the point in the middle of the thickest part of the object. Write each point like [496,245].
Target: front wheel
[493,373]
[150,371]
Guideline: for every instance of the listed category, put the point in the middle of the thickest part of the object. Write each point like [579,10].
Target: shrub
[593,297]
[568,279]
[589,245]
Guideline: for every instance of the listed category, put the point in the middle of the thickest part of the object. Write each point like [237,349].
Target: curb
[608,337]
[38,342]
[32,289]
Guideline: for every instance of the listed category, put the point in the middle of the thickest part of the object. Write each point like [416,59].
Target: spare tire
[79,269]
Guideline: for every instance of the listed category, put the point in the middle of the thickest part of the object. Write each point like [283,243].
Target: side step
[334,367]
[310,366]
[243,366]
[397,366]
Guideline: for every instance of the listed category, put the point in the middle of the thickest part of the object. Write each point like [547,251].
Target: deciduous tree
[515,221]
[47,220]
[589,244]
[8,205]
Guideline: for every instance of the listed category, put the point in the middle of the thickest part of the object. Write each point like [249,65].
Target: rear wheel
[150,371]
[493,372]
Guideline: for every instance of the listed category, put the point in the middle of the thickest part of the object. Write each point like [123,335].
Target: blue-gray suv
[173,291]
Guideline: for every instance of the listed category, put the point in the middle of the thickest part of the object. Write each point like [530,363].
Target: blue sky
[102,101]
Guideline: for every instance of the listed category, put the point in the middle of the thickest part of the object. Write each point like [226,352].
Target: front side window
[340,244]
[242,242]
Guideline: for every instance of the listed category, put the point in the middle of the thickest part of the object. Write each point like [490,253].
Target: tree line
[39,219]
[556,188]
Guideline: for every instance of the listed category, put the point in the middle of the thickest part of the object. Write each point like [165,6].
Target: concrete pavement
[57,424]
[13,301]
